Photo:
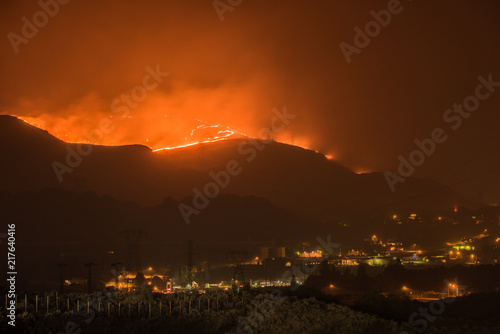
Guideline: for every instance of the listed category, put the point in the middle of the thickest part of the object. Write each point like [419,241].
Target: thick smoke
[263,55]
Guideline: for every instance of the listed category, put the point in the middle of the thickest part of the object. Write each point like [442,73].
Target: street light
[455,286]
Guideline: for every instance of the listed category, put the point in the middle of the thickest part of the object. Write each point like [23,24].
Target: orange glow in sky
[155,132]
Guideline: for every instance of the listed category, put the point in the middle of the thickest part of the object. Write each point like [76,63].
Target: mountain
[55,226]
[299,180]
[269,194]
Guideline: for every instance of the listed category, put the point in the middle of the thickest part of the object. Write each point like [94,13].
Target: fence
[122,304]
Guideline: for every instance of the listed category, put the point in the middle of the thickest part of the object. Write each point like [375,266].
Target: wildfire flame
[72,131]
[223,134]
[202,133]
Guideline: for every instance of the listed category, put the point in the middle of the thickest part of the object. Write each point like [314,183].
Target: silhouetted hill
[55,226]
[279,194]
[296,179]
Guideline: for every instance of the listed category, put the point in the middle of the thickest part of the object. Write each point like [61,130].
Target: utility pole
[88,256]
[190,255]
[133,238]
[238,258]
[61,277]
[189,275]
[89,282]
[116,272]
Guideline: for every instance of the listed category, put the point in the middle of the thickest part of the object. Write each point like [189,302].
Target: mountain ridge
[299,180]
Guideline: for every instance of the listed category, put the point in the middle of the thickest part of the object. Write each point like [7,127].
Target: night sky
[263,55]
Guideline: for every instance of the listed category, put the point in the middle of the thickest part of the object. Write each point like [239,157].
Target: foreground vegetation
[287,310]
